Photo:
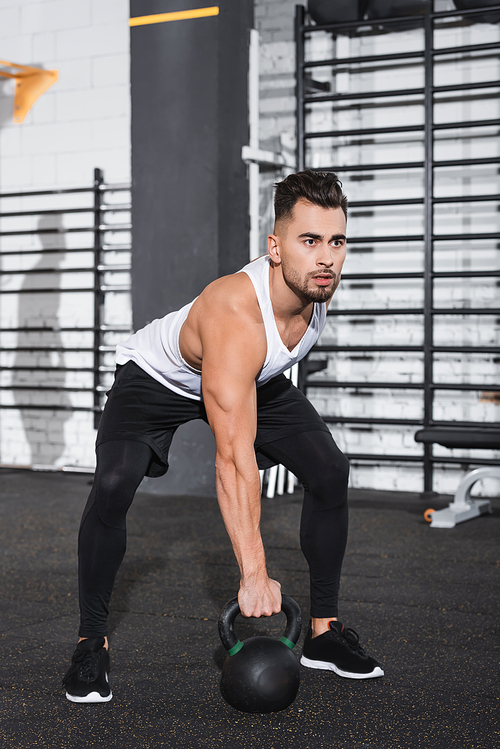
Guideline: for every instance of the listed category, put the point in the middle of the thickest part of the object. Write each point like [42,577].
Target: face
[311,249]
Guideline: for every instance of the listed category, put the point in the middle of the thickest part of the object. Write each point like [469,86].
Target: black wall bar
[98,230]
[428,313]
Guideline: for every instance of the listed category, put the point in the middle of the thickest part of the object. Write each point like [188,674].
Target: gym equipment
[396,8]
[260,675]
[463,506]
[31,83]
[428,515]
[471,4]
[388,8]
[336,11]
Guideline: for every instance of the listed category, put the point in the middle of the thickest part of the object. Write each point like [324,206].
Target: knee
[332,472]
[113,497]
[328,485]
[110,483]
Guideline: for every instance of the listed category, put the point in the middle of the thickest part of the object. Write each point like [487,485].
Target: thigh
[314,458]
[141,409]
[282,411]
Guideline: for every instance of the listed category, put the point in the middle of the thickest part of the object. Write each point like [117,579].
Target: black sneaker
[339,650]
[87,678]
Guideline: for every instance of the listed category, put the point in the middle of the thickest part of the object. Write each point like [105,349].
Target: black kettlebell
[260,675]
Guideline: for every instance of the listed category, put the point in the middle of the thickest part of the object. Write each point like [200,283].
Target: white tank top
[155,348]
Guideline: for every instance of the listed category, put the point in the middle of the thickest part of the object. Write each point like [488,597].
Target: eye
[310,242]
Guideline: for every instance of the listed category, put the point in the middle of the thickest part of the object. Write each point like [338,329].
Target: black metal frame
[427,93]
[99,288]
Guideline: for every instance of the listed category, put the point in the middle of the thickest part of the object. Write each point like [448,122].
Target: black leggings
[121,465]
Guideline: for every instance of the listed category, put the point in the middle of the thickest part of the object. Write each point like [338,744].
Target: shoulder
[231,331]
[232,295]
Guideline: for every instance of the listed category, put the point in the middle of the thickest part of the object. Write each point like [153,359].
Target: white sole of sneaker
[92,697]
[327,666]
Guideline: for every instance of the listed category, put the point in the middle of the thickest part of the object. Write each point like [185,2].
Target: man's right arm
[234,349]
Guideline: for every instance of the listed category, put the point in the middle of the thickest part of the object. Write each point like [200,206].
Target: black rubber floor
[424,601]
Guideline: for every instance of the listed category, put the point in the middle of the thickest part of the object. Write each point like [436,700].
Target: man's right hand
[262,598]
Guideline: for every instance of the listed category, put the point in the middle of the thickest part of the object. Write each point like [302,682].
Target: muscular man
[221,358]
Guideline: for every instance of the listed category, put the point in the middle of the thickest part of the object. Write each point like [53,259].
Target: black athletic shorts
[141,408]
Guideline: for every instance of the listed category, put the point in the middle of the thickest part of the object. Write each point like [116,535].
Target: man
[221,358]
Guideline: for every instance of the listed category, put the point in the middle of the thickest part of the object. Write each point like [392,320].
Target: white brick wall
[81,122]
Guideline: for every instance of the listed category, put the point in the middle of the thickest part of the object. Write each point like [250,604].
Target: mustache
[324,273]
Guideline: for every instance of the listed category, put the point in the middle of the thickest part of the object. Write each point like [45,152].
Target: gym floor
[424,601]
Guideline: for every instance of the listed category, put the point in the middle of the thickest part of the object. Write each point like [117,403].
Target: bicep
[232,358]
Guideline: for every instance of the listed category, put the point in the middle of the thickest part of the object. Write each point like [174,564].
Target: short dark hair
[319,188]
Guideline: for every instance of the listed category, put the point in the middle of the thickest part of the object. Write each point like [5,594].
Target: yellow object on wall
[179,15]
[31,83]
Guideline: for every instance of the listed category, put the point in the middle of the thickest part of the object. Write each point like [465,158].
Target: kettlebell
[260,674]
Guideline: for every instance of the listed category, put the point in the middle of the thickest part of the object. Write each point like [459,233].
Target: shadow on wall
[7,88]
[39,360]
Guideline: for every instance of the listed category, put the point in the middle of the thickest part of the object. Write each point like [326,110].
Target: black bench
[463,506]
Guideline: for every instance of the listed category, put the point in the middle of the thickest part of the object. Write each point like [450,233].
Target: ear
[273,248]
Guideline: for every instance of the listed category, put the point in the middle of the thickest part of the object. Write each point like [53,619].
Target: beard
[300,285]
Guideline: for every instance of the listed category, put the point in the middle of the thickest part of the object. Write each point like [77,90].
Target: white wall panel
[81,122]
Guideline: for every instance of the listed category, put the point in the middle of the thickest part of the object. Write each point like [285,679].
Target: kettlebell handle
[231,610]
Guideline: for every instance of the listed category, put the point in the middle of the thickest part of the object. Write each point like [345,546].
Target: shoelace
[87,663]
[352,639]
